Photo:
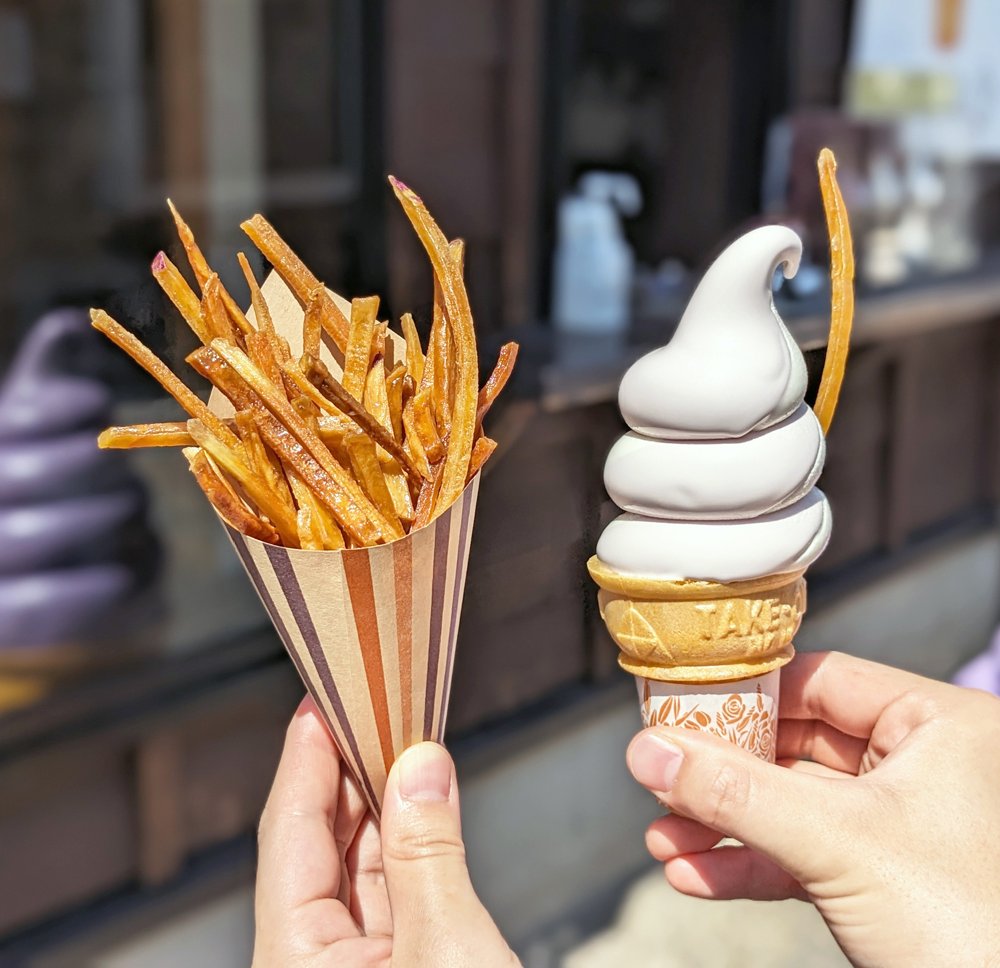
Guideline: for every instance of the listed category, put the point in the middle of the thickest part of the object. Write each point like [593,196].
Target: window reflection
[109,106]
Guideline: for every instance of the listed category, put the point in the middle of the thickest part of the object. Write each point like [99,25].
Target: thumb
[781,813]
[437,917]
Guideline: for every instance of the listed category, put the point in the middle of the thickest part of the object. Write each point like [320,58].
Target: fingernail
[655,762]
[425,774]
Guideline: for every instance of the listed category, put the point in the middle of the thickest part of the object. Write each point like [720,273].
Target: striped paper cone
[371,631]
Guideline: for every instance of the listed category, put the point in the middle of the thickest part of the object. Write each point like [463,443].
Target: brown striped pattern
[403,577]
[372,633]
[359,587]
[456,604]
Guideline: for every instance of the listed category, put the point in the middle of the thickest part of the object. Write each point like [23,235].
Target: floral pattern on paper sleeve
[748,719]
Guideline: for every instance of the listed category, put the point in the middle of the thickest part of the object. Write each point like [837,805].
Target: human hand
[883,810]
[331,891]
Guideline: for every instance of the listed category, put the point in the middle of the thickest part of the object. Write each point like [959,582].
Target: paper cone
[372,631]
[744,712]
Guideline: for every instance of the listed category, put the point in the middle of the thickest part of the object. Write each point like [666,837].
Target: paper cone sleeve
[372,631]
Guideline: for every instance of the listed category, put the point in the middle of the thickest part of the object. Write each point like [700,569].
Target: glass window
[109,106]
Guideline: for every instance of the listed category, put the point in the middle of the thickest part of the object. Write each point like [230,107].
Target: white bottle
[594,264]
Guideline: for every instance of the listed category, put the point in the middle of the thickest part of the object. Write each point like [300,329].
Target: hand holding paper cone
[344,460]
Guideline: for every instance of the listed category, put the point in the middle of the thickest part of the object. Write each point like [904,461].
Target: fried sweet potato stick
[321,521]
[412,444]
[297,275]
[172,434]
[437,349]
[333,429]
[236,466]
[358,353]
[181,295]
[424,425]
[288,448]
[409,388]
[456,302]
[422,418]
[368,470]
[312,326]
[379,336]
[232,510]
[260,309]
[349,515]
[321,524]
[307,410]
[427,500]
[262,314]
[394,393]
[279,406]
[496,382]
[309,537]
[261,460]
[457,249]
[841,290]
[441,346]
[202,270]
[214,314]
[260,349]
[334,434]
[414,352]
[482,451]
[159,371]
[265,347]
[338,400]
[441,350]
[196,259]
[377,404]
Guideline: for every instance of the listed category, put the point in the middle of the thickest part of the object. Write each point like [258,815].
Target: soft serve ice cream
[717,476]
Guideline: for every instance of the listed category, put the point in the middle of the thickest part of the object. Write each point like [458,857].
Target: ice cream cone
[700,631]
[716,479]
[372,631]
[705,654]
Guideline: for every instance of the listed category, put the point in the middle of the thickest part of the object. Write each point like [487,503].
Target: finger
[369,900]
[352,809]
[298,858]
[812,739]
[814,769]
[436,916]
[771,809]
[672,835]
[727,873]
[848,693]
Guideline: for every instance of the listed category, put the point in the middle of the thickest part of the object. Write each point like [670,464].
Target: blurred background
[595,154]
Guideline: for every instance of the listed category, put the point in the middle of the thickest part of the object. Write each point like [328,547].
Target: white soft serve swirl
[717,477]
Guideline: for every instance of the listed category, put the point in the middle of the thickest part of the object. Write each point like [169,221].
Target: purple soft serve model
[74,544]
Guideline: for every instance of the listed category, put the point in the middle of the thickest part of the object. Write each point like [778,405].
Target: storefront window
[109,106]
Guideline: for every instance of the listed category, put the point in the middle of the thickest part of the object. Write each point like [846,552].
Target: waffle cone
[700,631]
